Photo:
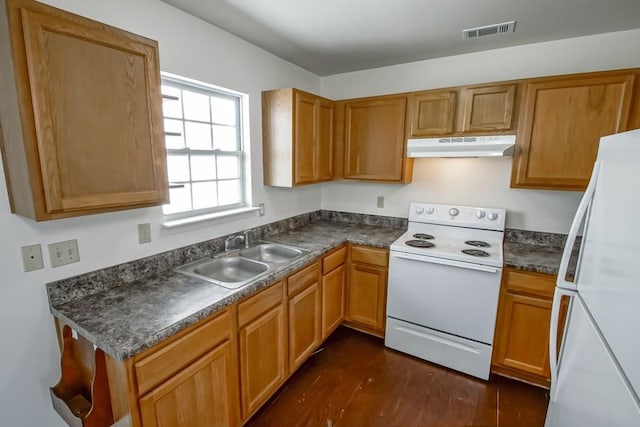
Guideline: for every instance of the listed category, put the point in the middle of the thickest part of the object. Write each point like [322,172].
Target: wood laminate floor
[356,381]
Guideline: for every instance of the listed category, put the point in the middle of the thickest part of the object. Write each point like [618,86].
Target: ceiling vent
[489,30]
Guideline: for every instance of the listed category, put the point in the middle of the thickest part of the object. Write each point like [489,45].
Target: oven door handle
[448,262]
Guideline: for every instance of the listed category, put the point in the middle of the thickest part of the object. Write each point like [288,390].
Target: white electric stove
[444,281]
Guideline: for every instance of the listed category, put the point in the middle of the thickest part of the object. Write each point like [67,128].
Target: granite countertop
[128,319]
[537,258]
[124,318]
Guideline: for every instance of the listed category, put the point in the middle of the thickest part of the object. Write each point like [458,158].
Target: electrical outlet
[380,202]
[261,206]
[32,257]
[61,253]
[144,233]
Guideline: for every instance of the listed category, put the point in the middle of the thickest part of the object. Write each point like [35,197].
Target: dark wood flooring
[356,381]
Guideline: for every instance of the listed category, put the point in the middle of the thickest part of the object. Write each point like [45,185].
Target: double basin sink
[235,269]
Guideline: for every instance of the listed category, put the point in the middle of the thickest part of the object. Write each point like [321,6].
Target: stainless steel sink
[235,269]
[230,271]
[272,253]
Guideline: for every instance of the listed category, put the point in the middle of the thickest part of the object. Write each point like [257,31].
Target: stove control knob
[419,211]
[453,212]
[479,214]
[492,216]
[430,210]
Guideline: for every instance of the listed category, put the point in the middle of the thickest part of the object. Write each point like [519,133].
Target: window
[203,136]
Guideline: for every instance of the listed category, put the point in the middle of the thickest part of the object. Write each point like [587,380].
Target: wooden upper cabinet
[325,144]
[432,113]
[374,142]
[487,109]
[297,130]
[90,137]
[561,123]
[304,138]
[471,110]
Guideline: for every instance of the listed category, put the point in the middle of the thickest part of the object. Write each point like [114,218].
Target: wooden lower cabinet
[367,289]
[523,340]
[521,344]
[333,285]
[263,347]
[333,307]
[305,332]
[192,379]
[220,371]
[205,393]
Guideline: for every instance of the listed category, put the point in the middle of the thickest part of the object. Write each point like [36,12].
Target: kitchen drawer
[367,255]
[529,283]
[162,364]
[303,278]
[258,304]
[334,260]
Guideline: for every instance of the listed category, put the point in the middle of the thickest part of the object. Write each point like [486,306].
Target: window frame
[183,83]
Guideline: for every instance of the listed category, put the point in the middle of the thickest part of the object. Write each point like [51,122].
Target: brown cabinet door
[324,143]
[374,139]
[333,294]
[203,394]
[487,108]
[304,325]
[93,131]
[560,126]
[522,335]
[521,343]
[305,150]
[262,358]
[432,113]
[366,300]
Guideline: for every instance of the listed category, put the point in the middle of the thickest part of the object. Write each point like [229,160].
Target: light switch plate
[61,253]
[32,257]
[380,202]
[144,233]
[261,211]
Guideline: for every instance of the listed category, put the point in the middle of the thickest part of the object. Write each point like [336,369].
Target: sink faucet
[231,240]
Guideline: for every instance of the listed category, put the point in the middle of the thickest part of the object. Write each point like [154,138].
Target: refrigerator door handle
[561,281]
[553,334]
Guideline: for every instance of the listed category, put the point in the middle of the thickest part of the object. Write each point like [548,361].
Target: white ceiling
[335,36]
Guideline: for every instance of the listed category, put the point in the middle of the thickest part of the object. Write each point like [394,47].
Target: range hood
[462,146]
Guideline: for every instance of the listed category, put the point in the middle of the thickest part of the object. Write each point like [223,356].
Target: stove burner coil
[477,243]
[475,252]
[419,244]
[423,236]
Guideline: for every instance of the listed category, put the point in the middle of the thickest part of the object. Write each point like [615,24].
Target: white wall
[483,182]
[189,47]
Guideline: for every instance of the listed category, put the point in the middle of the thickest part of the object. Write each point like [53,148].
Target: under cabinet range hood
[462,146]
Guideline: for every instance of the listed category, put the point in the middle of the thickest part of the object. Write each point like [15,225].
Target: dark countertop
[537,258]
[126,320]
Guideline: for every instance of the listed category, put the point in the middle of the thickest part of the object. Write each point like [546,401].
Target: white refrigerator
[595,381]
